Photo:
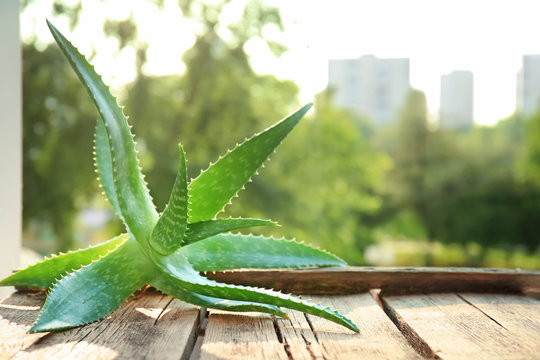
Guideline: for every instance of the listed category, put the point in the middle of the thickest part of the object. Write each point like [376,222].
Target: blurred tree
[57,140]
[529,161]
[473,193]
[218,101]
[460,186]
[406,185]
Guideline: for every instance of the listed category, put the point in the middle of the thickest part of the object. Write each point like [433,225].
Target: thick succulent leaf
[217,185]
[47,272]
[178,267]
[104,164]
[168,235]
[134,201]
[170,286]
[236,251]
[203,229]
[96,290]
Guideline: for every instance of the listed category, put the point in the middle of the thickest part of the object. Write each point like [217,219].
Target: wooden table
[407,313]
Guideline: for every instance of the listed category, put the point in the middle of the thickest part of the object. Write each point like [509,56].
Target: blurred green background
[406,194]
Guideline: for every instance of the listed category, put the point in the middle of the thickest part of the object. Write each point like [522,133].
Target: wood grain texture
[152,326]
[452,328]
[378,338]
[230,336]
[520,315]
[298,338]
[355,280]
[17,314]
[241,336]
[424,325]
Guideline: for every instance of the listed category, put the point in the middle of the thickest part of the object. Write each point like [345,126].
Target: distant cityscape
[376,88]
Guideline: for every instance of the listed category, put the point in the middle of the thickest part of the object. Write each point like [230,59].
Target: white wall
[10,139]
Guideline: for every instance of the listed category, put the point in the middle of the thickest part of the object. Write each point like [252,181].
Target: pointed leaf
[216,186]
[203,229]
[104,164]
[178,267]
[168,235]
[47,272]
[170,286]
[134,200]
[236,251]
[96,290]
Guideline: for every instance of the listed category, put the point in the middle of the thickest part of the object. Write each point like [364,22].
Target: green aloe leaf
[94,291]
[47,272]
[94,282]
[134,201]
[217,185]
[103,159]
[179,268]
[168,235]
[203,229]
[236,251]
[169,285]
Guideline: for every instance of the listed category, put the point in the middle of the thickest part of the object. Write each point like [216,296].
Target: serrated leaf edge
[59,280]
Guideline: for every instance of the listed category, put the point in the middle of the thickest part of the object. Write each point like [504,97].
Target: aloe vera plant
[169,251]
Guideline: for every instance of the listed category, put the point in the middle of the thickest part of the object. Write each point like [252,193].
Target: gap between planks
[445,326]
[458,326]
[256,336]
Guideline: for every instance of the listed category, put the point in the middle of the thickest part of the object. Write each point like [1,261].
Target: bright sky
[485,37]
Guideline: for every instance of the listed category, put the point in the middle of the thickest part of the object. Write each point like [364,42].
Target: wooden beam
[358,279]
[350,280]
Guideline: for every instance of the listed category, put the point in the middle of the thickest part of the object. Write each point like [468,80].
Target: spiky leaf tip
[217,185]
[94,291]
[204,229]
[168,234]
[45,273]
[134,201]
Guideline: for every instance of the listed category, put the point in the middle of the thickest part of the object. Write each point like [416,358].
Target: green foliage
[461,187]
[110,273]
[54,184]
[474,194]
[529,162]
[411,153]
[406,186]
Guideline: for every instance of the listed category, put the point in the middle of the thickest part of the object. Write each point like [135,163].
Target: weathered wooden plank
[255,336]
[378,338]
[241,336]
[354,280]
[152,326]
[445,325]
[460,325]
[17,314]
[520,315]
[298,337]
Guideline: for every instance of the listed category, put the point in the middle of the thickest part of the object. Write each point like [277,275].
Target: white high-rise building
[528,85]
[370,86]
[456,110]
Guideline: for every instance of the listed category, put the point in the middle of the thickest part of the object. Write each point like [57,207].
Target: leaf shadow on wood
[21,309]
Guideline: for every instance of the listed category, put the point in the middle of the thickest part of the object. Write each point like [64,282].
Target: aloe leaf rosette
[169,251]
